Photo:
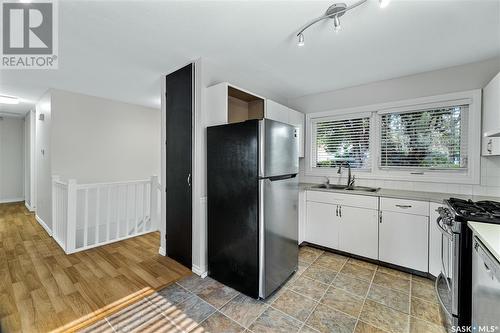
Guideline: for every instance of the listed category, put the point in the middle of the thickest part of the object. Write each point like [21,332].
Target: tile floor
[329,293]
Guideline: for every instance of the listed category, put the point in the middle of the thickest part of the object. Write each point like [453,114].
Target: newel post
[71,218]
[153,214]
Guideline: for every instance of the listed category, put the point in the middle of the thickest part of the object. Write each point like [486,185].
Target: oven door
[446,283]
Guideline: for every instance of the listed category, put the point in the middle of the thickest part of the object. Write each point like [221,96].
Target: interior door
[179,129]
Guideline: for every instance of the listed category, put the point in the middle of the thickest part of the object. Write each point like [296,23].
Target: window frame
[464,121]
[337,118]
[473,138]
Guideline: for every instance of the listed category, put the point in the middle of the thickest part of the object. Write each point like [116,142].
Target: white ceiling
[119,49]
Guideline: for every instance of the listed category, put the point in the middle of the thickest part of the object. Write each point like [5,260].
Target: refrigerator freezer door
[279,149]
[279,223]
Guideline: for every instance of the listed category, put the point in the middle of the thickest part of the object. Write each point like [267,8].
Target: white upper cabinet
[278,112]
[226,104]
[491,117]
[275,111]
[297,119]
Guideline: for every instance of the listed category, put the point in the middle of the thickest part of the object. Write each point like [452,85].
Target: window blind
[339,141]
[425,139]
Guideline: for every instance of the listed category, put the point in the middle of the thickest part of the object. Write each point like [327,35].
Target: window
[432,139]
[338,141]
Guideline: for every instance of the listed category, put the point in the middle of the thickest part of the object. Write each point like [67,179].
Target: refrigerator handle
[282,177]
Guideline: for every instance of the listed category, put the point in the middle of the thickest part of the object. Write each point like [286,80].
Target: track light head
[336,24]
[301,40]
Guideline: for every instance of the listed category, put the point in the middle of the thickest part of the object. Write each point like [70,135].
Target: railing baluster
[136,209]
[86,218]
[144,202]
[108,211]
[126,211]
[97,214]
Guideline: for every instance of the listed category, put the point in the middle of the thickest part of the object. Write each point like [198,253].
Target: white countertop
[489,235]
[402,194]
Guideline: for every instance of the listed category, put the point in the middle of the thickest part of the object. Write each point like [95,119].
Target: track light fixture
[334,12]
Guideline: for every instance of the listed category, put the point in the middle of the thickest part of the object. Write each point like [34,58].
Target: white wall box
[404,237]
[491,108]
[434,241]
[491,146]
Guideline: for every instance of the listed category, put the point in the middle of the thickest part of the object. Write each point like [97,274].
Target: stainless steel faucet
[327,181]
[350,177]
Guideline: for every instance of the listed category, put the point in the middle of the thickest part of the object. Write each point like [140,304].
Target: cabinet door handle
[404,206]
[337,211]
[380,217]
[489,146]
[340,211]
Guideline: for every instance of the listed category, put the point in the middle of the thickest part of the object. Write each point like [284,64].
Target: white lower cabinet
[359,231]
[403,240]
[322,226]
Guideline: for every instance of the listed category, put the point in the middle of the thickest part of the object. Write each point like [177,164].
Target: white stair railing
[90,215]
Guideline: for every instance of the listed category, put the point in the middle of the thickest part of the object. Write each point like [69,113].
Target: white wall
[92,139]
[454,79]
[42,162]
[11,159]
[100,140]
[27,158]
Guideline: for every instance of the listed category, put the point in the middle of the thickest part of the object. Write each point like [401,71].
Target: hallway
[43,289]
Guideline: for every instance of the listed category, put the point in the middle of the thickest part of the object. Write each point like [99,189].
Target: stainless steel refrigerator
[252,198]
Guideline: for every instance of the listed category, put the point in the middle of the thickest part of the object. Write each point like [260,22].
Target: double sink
[346,188]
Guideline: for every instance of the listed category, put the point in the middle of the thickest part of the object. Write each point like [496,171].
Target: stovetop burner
[481,211]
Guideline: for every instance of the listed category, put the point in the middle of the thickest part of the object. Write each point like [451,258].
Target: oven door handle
[439,296]
[443,269]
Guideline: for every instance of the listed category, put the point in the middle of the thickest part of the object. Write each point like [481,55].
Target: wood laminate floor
[42,289]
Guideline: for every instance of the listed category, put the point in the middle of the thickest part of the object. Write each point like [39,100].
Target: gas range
[467,210]
[453,285]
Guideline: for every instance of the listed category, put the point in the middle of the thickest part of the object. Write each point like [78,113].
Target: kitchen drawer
[405,206]
[353,200]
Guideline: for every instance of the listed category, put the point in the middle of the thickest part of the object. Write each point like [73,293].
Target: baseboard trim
[44,225]
[28,207]
[11,200]
[162,251]
[198,271]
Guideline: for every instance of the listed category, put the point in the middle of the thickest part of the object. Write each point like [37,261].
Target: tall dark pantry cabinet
[179,106]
